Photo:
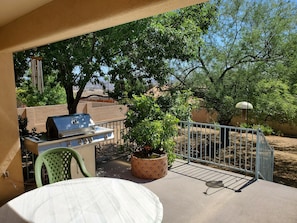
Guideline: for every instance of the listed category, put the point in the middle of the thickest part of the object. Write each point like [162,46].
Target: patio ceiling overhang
[25,24]
[45,21]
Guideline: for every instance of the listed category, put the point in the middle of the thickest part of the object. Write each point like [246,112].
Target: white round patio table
[94,199]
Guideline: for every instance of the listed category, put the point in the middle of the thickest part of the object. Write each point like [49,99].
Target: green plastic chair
[57,162]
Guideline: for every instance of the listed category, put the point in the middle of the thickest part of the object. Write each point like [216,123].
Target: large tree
[251,41]
[269,92]
[131,56]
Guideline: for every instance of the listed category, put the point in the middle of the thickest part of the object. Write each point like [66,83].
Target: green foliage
[178,103]
[267,130]
[245,125]
[220,50]
[151,129]
[251,41]
[125,89]
[154,133]
[21,66]
[131,56]
[142,107]
[75,61]
[30,96]
[149,47]
[274,101]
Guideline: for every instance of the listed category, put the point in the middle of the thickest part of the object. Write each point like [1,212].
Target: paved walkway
[196,193]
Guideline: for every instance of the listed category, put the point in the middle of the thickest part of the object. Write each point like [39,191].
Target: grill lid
[68,125]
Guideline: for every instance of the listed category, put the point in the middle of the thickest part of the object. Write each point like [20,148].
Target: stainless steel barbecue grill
[77,131]
[69,125]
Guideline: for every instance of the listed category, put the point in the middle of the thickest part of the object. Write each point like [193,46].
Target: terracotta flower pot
[149,168]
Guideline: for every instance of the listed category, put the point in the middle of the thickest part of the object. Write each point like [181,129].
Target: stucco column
[10,156]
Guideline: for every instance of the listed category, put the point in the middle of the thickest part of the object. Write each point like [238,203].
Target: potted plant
[151,133]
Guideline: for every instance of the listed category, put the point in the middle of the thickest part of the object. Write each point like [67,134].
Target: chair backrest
[57,162]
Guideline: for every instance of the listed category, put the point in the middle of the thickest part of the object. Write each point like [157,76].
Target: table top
[93,199]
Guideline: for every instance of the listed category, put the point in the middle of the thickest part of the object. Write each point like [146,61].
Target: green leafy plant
[267,130]
[245,125]
[29,96]
[151,130]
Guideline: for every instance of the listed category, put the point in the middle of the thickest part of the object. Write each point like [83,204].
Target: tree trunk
[71,105]
[224,137]
[224,133]
[72,109]
[71,101]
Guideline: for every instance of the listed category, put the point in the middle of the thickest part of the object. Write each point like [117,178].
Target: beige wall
[104,112]
[287,129]
[202,115]
[10,158]
[99,112]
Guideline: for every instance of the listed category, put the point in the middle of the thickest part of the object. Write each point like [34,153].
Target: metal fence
[239,149]
[264,158]
[119,130]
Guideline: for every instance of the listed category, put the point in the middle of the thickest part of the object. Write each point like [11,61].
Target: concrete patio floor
[197,193]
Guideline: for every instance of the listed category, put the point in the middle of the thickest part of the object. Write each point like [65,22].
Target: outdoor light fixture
[244,106]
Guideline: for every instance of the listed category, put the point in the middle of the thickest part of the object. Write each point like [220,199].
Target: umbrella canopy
[244,105]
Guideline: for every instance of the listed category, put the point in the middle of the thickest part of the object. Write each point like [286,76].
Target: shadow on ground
[213,178]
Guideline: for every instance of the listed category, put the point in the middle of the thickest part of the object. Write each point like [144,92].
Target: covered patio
[190,192]
[197,193]
[29,24]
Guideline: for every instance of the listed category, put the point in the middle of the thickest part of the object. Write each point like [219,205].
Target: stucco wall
[202,115]
[10,157]
[99,112]
[287,129]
